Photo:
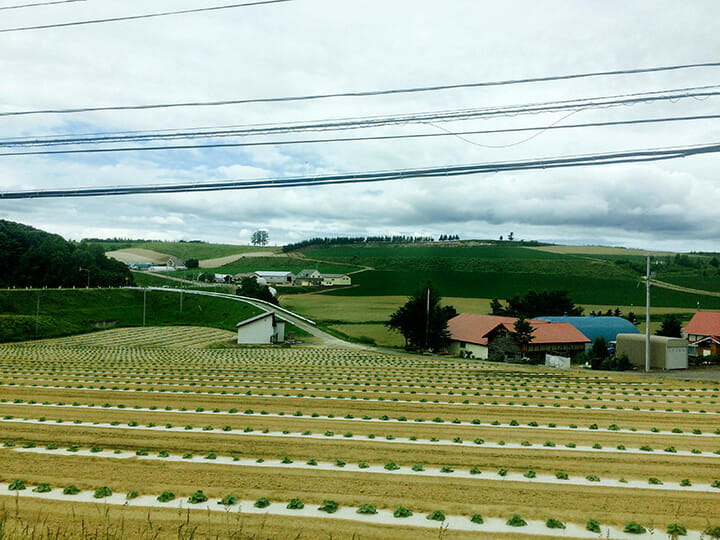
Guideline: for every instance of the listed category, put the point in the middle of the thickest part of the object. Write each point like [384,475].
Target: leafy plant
[367,508]
[675,529]
[16,485]
[228,500]
[436,515]
[295,504]
[654,481]
[561,475]
[166,496]
[402,512]
[516,521]
[593,525]
[553,523]
[197,497]
[634,528]
[529,474]
[261,502]
[42,488]
[417,467]
[328,506]
[102,492]
[70,490]
[477,518]
[391,466]
[133,494]
[592,478]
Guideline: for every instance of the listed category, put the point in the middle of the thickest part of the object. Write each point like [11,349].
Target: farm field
[321,443]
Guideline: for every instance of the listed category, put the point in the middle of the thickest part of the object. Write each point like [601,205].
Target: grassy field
[78,310]
[125,425]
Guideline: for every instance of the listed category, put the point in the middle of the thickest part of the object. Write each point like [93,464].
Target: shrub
[211,455]
[529,474]
[516,521]
[593,525]
[478,441]
[70,490]
[553,523]
[634,528]
[366,508]
[477,518]
[102,492]
[328,506]
[261,502]
[685,482]
[197,497]
[654,481]
[286,460]
[391,466]
[163,454]
[42,488]
[549,444]
[295,504]
[446,469]
[502,472]
[187,455]
[132,495]
[16,485]
[561,475]
[646,448]
[417,467]
[402,512]
[436,515]
[141,453]
[592,478]
[312,462]
[475,470]
[339,462]
[166,496]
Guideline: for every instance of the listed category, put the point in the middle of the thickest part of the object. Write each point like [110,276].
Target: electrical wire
[367,122]
[359,94]
[36,4]
[634,156]
[136,17]
[446,133]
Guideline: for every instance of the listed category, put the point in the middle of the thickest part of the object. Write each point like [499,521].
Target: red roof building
[703,331]
[473,333]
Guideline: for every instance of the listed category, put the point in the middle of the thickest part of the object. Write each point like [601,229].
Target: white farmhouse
[261,329]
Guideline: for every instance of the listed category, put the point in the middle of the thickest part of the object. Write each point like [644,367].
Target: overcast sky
[323,46]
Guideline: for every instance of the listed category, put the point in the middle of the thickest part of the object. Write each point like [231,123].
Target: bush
[102,492]
[295,504]
[634,528]
[16,485]
[553,523]
[516,521]
[436,515]
[197,497]
[261,502]
[42,488]
[402,512]
[367,508]
[166,496]
[593,525]
[70,490]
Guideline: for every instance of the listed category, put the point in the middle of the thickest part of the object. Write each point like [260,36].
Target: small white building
[273,277]
[262,329]
[333,280]
[665,352]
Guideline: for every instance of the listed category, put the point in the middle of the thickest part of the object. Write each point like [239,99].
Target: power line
[367,138]
[135,17]
[634,156]
[356,94]
[372,121]
[36,4]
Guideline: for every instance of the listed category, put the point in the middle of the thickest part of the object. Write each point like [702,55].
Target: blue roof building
[599,326]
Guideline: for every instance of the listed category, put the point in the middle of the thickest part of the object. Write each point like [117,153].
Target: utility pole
[81,269]
[427,318]
[647,316]
[181,291]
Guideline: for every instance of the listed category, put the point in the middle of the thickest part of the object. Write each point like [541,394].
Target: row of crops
[353,442]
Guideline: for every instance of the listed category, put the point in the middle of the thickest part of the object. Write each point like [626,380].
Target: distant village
[304,278]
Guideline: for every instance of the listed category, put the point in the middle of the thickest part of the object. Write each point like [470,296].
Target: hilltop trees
[537,304]
[259,237]
[422,321]
[33,258]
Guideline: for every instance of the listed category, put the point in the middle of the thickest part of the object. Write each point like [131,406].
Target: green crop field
[71,311]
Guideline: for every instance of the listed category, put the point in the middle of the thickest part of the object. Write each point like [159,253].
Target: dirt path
[673,287]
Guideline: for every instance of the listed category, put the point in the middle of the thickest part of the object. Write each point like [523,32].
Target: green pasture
[583,290]
[471,250]
[72,311]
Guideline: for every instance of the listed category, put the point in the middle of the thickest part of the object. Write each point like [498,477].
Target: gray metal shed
[665,352]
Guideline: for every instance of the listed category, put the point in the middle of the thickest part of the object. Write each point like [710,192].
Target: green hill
[74,311]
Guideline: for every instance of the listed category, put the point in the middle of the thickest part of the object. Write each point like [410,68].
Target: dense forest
[30,257]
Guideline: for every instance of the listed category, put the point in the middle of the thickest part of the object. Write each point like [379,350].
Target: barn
[261,329]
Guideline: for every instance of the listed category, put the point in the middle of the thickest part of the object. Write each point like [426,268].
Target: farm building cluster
[558,339]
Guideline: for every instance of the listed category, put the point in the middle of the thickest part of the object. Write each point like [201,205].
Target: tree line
[354,240]
[30,257]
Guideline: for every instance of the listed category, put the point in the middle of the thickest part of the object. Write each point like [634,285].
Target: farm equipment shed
[665,352]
